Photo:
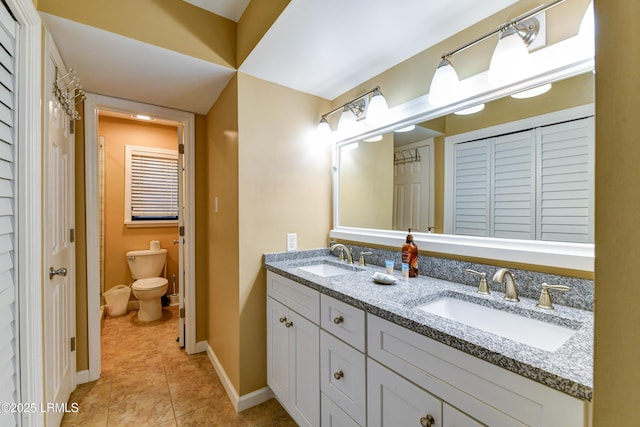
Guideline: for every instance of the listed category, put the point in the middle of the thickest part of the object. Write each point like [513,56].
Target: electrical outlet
[292,242]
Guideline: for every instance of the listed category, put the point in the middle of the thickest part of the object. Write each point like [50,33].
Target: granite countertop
[568,369]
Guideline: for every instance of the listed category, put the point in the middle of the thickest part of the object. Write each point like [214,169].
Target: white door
[413,176]
[59,250]
[181,252]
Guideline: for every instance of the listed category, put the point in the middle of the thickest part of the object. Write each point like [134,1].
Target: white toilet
[146,267]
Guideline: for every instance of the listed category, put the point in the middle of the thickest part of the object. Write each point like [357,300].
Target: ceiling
[321,47]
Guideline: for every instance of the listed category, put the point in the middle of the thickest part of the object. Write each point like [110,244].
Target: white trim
[93,104]
[201,346]
[577,256]
[30,356]
[82,377]
[240,403]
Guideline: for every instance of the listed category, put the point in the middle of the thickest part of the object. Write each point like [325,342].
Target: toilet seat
[149,284]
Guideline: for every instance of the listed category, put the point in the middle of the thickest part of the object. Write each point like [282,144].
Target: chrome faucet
[344,250]
[510,290]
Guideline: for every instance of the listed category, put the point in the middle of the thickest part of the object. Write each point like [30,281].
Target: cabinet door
[394,401]
[305,370]
[278,354]
[454,418]
[333,416]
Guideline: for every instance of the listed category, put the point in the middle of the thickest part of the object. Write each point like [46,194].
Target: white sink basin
[325,270]
[532,332]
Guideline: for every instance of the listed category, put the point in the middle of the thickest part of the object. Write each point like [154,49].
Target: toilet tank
[146,264]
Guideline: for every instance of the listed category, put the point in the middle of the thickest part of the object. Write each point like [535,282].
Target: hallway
[147,380]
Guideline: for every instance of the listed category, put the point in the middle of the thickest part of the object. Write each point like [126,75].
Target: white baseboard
[240,403]
[82,377]
[202,346]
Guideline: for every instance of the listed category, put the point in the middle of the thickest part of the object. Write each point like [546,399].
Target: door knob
[62,271]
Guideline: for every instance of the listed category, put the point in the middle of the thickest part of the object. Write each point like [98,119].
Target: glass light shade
[530,93]
[378,110]
[445,85]
[347,122]
[406,129]
[374,139]
[510,60]
[470,110]
[323,129]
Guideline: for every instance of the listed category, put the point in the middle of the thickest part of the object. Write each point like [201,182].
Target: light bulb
[510,60]
[470,110]
[530,93]
[445,85]
[347,123]
[377,110]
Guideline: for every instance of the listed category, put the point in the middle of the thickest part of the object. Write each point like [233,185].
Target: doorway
[95,105]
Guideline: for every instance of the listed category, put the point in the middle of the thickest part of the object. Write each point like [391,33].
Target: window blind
[8,283]
[154,187]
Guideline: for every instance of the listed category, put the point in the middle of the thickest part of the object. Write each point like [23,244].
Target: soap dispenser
[410,255]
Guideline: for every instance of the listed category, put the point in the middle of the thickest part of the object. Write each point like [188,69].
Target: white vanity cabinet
[488,394]
[293,348]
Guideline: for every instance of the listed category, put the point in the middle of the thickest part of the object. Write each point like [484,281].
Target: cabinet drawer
[343,320]
[342,376]
[333,416]
[394,401]
[298,297]
[484,391]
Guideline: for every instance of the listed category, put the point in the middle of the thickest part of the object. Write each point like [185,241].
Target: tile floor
[147,380]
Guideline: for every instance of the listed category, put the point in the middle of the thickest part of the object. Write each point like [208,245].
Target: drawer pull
[338,375]
[283,319]
[427,421]
[338,320]
[288,324]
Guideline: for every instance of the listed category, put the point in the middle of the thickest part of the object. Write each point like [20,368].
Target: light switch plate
[292,242]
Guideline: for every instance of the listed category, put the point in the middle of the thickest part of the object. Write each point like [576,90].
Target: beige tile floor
[147,380]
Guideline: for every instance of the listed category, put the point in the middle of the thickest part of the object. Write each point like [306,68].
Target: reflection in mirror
[400,181]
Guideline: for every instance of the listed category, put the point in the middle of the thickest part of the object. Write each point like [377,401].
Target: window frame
[130,151]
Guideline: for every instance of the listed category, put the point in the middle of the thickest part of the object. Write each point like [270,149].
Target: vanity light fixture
[445,86]
[470,110]
[530,93]
[371,106]
[406,128]
[509,62]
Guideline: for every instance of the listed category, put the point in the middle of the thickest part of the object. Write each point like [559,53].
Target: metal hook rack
[406,156]
[68,92]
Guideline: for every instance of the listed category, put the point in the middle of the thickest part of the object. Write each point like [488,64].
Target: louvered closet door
[566,182]
[513,186]
[472,191]
[8,291]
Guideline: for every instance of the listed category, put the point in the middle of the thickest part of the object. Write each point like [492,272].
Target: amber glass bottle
[410,255]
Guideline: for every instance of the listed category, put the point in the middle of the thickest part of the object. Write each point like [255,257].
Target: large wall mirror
[512,182]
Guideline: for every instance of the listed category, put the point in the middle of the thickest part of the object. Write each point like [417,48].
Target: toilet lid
[150,283]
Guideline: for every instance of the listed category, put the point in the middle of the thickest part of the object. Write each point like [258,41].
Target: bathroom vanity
[345,351]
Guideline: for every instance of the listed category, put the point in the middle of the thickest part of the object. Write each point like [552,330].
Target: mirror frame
[562,60]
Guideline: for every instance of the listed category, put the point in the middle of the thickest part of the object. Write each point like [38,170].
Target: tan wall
[366,185]
[617,292]
[174,25]
[82,325]
[223,303]
[254,23]
[202,228]
[119,238]
[284,187]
